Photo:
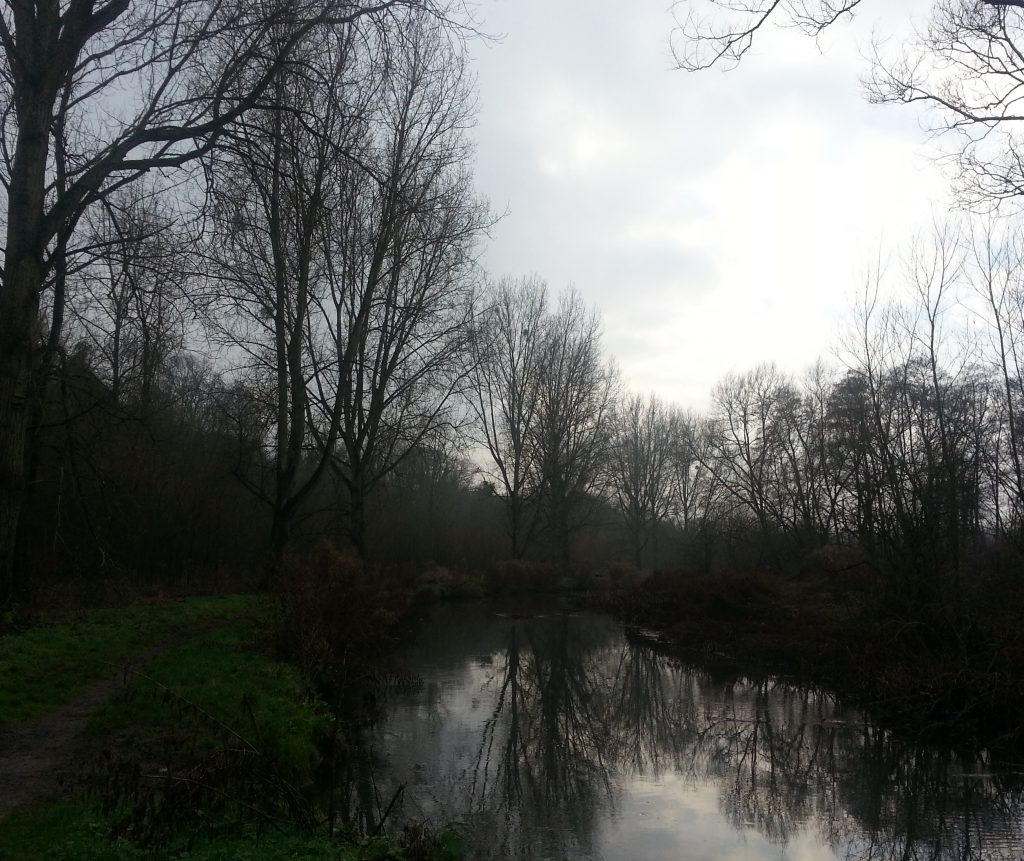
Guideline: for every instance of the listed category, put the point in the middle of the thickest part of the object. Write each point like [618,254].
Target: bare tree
[826,478]
[995,264]
[726,32]
[391,327]
[504,393]
[276,186]
[127,299]
[965,68]
[572,431]
[192,67]
[934,270]
[640,467]
[698,490]
[747,442]
[914,415]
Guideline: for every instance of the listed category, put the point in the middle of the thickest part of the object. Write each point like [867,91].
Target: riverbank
[940,668]
[214,747]
[954,675]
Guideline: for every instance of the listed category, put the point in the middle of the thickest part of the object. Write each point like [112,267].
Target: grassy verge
[45,667]
[211,754]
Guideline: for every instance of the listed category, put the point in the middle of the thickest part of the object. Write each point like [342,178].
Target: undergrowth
[74,830]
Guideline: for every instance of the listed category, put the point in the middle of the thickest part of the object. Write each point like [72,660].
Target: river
[555,736]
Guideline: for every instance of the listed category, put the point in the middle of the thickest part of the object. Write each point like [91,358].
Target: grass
[219,707]
[46,667]
[74,831]
[224,677]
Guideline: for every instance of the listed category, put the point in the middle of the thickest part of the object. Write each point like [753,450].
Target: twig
[387,812]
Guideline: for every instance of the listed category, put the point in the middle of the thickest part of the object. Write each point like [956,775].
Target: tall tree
[641,467]
[391,327]
[747,443]
[192,67]
[275,183]
[504,392]
[572,431]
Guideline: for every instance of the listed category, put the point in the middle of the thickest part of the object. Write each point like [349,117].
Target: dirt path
[33,753]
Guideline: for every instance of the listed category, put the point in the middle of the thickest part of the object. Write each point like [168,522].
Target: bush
[516,575]
[438,583]
[621,575]
[336,613]
[669,597]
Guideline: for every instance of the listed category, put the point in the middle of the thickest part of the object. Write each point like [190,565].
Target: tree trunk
[515,524]
[280,532]
[357,516]
[14,392]
[564,552]
[19,311]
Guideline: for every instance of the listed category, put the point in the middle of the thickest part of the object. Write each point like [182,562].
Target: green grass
[73,831]
[225,675]
[48,666]
[189,701]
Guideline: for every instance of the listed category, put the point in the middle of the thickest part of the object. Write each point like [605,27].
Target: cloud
[718,220]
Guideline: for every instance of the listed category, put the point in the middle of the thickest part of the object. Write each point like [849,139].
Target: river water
[557,737]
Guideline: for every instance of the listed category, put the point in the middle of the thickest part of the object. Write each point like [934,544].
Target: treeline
[902,458]
[462,421]
[270,342]
[283,334]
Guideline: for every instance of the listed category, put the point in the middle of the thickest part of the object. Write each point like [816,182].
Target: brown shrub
[668,597]
[622,575]
[517,575]
[336,613]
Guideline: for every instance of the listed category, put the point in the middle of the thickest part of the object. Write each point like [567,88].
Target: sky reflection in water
[556,738]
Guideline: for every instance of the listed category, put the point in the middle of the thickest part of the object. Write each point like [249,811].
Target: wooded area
[249,344]
[243,312]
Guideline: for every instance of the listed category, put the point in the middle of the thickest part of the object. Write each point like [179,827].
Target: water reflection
[559,738]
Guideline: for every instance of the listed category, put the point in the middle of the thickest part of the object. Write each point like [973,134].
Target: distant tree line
[908,449]
[490,424]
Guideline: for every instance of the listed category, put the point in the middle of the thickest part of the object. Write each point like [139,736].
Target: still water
[556,737]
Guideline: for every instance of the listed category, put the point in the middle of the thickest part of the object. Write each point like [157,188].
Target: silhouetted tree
[963,66]
[277,191]
[640,467]
[572,431]
[504,394]
[97,94]
[391,329]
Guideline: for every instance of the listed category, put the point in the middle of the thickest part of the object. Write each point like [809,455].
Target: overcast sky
[716,219]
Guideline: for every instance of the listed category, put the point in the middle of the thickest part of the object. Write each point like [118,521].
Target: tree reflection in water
[573,717]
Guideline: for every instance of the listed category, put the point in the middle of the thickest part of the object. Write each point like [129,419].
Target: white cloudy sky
[717,219]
